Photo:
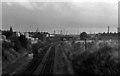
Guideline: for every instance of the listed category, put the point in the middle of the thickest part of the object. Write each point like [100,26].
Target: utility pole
[108,29]
[54,31]
[66,32]
[37,30]
[61,32]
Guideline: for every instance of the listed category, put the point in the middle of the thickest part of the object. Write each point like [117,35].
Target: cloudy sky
[73,16]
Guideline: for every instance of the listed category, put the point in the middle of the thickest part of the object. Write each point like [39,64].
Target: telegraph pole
[61,32]
[108,29]
[54,31]
[37,30]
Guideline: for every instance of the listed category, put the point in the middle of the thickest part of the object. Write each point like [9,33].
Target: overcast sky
[72,16]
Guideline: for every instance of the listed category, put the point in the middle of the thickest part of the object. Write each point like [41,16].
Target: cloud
[9,3]
[61,1]
[25,4]
[43,6]
[49,15]
[32,4]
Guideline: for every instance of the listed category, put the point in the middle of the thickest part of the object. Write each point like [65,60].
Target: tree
[23,40]
[7,34]
[11,30]
[17,43]
[83,36]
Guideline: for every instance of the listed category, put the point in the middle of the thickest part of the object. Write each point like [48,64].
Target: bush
[23,40]
[17,44]
[36,47]
[98,63]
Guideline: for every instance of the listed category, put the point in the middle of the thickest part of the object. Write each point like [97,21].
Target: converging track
[36,61]
[42,64]
[49,63]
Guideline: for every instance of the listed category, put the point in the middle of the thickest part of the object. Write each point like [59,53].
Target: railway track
[35,62]
[41,65]
[48,63]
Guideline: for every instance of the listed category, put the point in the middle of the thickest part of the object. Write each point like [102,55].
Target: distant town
[43,36]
